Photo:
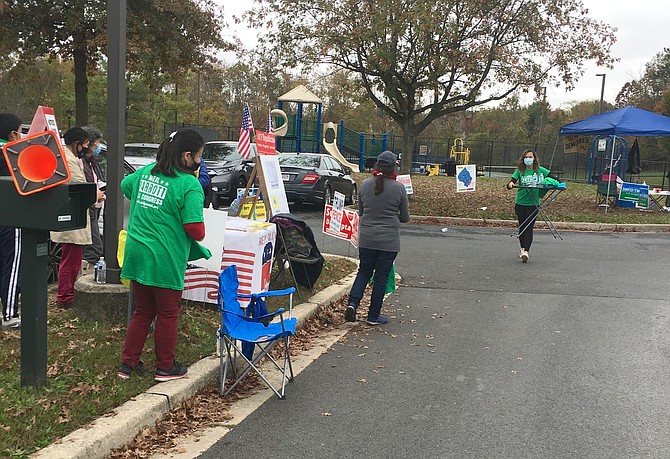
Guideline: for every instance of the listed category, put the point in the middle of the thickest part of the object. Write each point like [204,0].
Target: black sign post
[63,207]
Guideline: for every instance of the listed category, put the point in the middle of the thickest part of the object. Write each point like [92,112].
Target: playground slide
[332,150]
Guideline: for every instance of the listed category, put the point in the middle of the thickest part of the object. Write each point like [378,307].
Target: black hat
[386,158]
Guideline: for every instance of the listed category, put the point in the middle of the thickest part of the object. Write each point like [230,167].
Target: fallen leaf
[362,380]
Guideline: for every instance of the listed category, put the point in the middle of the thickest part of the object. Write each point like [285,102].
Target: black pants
[10,258]
[524,213]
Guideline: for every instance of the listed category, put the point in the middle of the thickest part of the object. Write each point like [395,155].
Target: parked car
[314,177]
[228,170]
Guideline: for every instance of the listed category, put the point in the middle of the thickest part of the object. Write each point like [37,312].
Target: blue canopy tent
[613,125]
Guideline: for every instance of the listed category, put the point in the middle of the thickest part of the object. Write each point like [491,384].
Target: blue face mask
[528,161]
[97,150]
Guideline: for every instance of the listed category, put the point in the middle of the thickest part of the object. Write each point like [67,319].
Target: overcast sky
[643,31]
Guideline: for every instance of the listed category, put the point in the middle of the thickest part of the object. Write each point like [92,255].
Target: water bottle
[533,181]
[101,271]
[95,271]
[541,179]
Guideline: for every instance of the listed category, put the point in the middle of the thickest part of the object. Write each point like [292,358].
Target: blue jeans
[379,263]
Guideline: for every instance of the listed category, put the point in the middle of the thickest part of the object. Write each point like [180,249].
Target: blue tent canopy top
[626,121]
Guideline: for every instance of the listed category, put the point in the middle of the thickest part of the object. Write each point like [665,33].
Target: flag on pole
[269,128]
[244,144]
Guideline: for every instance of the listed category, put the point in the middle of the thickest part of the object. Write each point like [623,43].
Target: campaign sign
[639,194]
[337,211]
[348,225]
[265,143]
[406,180]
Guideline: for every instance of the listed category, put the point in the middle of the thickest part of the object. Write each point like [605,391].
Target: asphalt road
[566,356]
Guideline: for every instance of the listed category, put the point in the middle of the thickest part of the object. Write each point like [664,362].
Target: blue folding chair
[255,328]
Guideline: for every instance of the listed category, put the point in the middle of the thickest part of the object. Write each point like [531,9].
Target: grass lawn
[436,196]
[83,358]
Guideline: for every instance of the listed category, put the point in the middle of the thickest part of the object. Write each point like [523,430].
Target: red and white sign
[250,246]
[348,225]
[406,180]
[44,120]
[265,143]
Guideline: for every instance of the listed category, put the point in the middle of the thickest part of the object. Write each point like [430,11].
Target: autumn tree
[163,36]
[420,60]
[647,92]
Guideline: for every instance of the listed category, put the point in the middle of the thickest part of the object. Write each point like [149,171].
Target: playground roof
[626,121]
[300,94]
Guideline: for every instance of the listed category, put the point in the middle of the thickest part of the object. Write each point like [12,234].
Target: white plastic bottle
[533,180]
[541,179]
[101,271]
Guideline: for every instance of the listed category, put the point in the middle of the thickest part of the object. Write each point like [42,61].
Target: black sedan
[228,170]
[314,177]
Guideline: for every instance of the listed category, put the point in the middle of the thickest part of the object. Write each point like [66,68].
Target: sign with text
[639,194]
[336,213]
[348,225]
[265,143]
[576,144]
[406,180]
[274,184]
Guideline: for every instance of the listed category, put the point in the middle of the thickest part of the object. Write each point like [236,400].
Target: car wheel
[327,196]
[215,201]
[353,198]
[53,260]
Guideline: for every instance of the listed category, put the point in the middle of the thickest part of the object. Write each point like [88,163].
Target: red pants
[68,269]
[150,303]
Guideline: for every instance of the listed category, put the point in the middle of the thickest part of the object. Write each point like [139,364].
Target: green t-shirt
[157,245]
[526,196]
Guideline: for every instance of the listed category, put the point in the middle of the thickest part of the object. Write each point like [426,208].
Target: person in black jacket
[10,238]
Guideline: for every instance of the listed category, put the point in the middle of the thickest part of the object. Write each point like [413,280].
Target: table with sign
[550,194]
[248,244]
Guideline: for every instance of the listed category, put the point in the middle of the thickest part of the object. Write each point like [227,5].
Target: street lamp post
[544,103]
[602,92]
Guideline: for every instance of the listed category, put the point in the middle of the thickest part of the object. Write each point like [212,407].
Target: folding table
[658,198]
[550,196]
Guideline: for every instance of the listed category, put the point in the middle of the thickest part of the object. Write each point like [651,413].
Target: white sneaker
[524,256]
[12,324]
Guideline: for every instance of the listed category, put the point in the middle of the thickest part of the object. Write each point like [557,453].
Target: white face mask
[528,161]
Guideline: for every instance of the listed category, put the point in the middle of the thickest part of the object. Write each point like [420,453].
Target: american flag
[244,144]
[269,128]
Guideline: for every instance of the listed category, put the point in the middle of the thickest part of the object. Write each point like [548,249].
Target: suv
[228,170]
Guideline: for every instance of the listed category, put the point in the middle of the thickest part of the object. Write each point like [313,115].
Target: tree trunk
[80,86]
[408,141]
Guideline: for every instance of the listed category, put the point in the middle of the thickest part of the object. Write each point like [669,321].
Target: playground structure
[459,152]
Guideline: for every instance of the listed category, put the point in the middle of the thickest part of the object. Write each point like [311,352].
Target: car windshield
[140,150]
[220,152]
[299,160]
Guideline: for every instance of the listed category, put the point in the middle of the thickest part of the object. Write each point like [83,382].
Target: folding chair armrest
[286,291]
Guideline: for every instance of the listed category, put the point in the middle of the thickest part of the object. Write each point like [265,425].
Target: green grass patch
[437,197]
[83,358]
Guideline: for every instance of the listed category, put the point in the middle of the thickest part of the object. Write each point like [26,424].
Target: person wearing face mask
[77,145]
[92,252]
[166,221]
[10,239]
[528,173]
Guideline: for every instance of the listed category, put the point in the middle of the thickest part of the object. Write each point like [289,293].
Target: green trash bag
[390,285]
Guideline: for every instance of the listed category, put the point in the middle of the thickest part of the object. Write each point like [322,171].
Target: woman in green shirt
[528,173]
[166,219]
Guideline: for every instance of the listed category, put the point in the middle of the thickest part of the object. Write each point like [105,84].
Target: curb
[569,226]
[118,428]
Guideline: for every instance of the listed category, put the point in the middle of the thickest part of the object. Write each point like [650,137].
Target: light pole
[544,103]
[602,92]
